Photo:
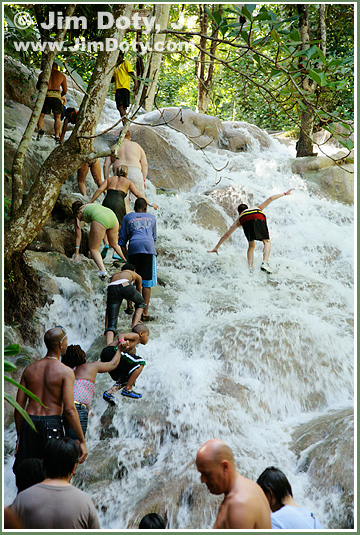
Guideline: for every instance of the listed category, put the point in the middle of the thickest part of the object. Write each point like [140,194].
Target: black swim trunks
[52,105]
[254,225]
[122,97]
[127,365]
[115,295]
[32,444]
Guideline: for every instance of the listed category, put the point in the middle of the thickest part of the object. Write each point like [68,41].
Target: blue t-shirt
[139,229]
[290,517]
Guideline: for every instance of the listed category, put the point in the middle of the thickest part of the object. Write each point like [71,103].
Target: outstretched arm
[273,198]
[144,165]
[108,161]
[227,234]
[99,191]
[76,255]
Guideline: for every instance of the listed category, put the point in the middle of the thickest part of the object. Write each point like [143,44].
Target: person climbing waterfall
[103,223]
[53,103]
[116,188]
[139,230]
[122,287]
[94,165]
[253,221]
[84,384]
[286,514]
[130,365]
[122,74]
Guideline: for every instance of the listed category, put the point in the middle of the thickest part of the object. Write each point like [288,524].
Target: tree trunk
[304,146]
[205,78]
[19,158]
[25,224]
[162,12]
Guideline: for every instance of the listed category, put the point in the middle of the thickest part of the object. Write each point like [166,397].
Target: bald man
[52,382]
[245,505]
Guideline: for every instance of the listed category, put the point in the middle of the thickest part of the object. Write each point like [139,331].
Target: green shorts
[101,214]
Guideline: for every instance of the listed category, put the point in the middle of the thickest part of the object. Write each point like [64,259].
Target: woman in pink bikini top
[84,385]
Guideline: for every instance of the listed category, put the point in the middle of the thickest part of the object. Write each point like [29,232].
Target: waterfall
[232,355]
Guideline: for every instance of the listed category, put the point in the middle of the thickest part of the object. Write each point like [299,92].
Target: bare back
[57,79]
[244,507]
[126,274]
[48,379]
[130,154]
[118,183]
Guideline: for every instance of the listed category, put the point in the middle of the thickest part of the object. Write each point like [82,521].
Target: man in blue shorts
[139,230]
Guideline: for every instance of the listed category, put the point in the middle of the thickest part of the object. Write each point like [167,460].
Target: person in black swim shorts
[253,221]
[130,365]
[121,287]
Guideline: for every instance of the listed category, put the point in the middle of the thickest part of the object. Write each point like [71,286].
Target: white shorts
[136,176]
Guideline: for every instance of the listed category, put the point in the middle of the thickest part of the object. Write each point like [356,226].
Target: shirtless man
[130,365]
[255,227]
[121,287]
[52,382]
[245,505]
[133,156]
[53,103]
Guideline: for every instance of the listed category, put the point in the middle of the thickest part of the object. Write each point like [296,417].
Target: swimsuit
[115,200]
[97,212]
[84,390]
[254,224]
[127,365]
[115,294]
[53,103]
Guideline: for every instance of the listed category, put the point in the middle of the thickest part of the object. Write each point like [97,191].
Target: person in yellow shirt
[122,74]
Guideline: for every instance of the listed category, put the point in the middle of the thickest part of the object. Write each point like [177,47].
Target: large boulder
[201,129]
[168,167]
[326,178]
[329,461]
[239,136]
[19,82]
[324,137]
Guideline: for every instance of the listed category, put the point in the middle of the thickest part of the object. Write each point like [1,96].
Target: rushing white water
[233,355]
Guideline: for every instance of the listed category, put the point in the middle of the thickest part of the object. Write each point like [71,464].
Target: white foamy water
[245,358]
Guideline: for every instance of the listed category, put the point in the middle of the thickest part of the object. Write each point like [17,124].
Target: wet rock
[19,82]
[239,136]
[206,216]
[229,199]
[201,129]
[327,178]
[328,460]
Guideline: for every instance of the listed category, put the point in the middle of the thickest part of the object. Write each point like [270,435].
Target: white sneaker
[102,274]
[251,270]
[265,267]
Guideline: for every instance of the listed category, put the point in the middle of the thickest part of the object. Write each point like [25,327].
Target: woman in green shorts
[103,223]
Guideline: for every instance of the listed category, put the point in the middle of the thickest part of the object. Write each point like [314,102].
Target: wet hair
[74,356]
[152,521]
[75,207]
[29,472]
[55,65]
[60,457]
[140,328]
[140,205]
[130,267]
[275,480]
[122,170]
[242,207]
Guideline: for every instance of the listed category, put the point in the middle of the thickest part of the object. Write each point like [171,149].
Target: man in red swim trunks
[253,221]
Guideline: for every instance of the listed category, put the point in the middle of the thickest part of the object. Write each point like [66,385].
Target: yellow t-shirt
[121,73]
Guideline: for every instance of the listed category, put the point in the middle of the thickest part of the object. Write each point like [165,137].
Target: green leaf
[13,349]
[321,54]
[246,13]
[275,36]
[30,394]
[302,106]
[262,16]
[245,36]
[16,406]
[314,76]
[9,367]
[348,144]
